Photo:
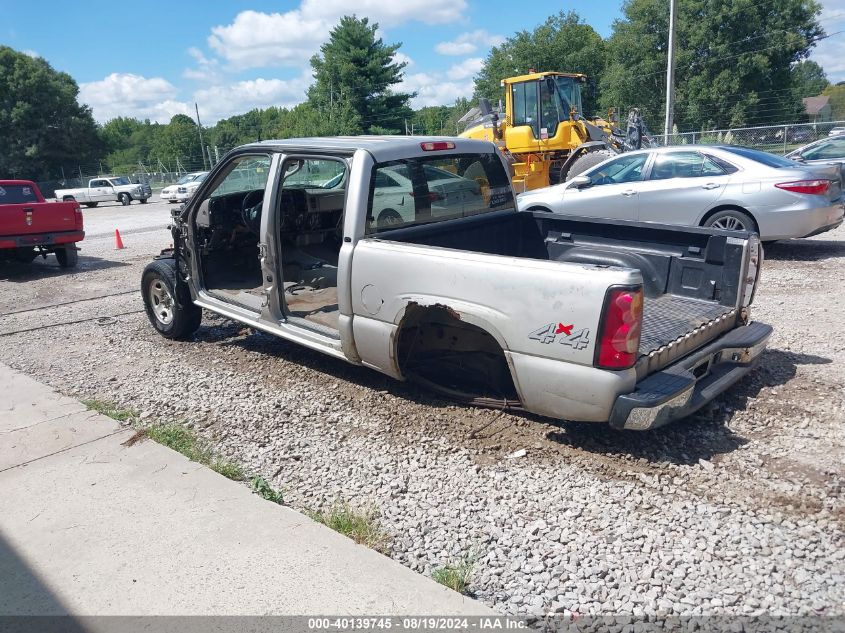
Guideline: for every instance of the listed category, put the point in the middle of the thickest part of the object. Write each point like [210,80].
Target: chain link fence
[778,139]
[158,174]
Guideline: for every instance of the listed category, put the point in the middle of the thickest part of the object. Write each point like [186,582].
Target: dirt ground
[772,447]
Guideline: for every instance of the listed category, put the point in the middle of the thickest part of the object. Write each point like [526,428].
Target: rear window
[770,160]
[17,194]
[417,191]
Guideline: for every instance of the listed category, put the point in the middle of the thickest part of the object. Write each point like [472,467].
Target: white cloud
[465,69]
[258,40]
[125,94]
[224,100]
[433,89]
[207,70]
[30,52]
[468,42]
[402,57]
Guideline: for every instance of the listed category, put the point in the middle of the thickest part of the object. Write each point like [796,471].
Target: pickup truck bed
[691,276]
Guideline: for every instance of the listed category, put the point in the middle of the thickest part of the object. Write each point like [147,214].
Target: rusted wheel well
[461,360]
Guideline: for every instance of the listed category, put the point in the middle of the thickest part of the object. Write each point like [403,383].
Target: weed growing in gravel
[186,442]
[110,409]
[265,490]
[456,576]
[359,525]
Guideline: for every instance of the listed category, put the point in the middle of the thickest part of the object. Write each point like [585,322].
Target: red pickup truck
[31,226]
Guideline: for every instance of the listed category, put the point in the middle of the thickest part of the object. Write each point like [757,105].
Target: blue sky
[154,59]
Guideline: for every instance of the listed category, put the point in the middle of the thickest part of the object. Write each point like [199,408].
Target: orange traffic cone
[118,243]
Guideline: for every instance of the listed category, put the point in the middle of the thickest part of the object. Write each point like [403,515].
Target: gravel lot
[736,510]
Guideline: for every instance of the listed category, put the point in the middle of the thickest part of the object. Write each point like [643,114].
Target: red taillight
[435,146]
[814,187]
[77,213]
[620,330]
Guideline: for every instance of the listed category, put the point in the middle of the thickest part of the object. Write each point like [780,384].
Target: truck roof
[383,148]
[17,182]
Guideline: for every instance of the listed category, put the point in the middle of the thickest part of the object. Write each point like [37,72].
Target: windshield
[185,179]
[434,188]
[770,160]
[123,180]
[568,95]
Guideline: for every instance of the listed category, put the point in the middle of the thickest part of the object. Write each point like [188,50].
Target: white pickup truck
[106,189]
[407,255]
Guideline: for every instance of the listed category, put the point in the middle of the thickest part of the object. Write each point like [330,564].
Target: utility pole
[670,73]
[199,129]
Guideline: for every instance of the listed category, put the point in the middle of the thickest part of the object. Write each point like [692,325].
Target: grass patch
[265,490]
[183,440]
[110,409]
[456,576]
[361,526]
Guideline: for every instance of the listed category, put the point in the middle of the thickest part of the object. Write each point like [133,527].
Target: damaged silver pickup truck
[407,255]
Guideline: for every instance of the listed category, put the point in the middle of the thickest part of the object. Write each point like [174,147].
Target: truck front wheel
[68,256]
[124,199]
[168,302]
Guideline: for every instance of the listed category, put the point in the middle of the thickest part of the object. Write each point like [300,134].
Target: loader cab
[539,108]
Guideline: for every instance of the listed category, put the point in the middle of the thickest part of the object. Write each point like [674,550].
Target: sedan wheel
[731,220]
[389,219]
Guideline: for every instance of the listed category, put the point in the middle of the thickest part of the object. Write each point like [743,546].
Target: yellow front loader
[544,133]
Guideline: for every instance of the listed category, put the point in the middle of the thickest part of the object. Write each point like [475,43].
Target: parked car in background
[31,226]
[184,188]
[106,189]
[836,130]
[826,151]
[733,188]
[394,203]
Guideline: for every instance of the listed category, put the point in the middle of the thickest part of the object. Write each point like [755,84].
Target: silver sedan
[827,151]
[732,188]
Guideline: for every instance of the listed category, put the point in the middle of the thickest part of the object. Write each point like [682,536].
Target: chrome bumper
[692,382]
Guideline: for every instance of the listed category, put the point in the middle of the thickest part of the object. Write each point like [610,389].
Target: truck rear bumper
[692,382]
[41,239]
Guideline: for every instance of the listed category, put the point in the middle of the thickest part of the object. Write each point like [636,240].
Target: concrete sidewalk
[90,527]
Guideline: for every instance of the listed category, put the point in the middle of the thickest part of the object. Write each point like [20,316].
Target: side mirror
[580,182]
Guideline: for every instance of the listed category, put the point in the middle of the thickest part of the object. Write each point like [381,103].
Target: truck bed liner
[669,317]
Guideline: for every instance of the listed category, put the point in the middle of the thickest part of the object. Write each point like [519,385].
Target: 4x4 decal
[553,331]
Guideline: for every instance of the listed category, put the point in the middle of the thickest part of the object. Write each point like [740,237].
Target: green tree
[837,100]
[733,60]
[357,70]
[563,43]
[43,128]
[808,79]
[178,139]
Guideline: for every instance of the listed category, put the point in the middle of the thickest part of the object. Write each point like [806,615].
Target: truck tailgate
[674,326]
[37,217]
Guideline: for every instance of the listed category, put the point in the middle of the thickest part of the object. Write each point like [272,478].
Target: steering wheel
[251,210]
